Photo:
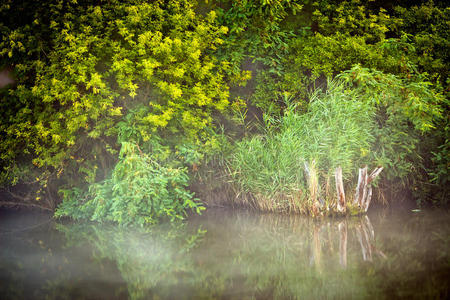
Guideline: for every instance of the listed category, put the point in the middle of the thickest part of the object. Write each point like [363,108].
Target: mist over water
[227,254]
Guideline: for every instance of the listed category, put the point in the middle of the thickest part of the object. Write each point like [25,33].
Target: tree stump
[341,206]
[313,186]
[363,194]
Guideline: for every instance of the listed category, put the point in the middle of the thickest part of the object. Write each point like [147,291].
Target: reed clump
[302,160]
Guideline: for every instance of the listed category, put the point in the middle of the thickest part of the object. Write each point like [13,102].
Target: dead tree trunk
[341,207]
[360,190]
[313,185]
[371,178]
[363,194]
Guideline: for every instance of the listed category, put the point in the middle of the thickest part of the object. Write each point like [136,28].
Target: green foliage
[100,62]
[438,172]
[255,30]
[258,41]
[409,42]
[408,115]
[338,45]
[397,40]
[414,101]
[93,75]
[140,191]
[336,36]
[428,30]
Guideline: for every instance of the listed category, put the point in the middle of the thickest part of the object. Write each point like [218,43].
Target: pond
[226,254]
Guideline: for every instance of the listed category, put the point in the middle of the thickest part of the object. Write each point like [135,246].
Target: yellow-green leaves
[96,83]
[100,63]
[168,61]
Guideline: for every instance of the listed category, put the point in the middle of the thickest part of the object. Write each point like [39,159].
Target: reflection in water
[343,243]
[145,258]
[363,230]
[317,249]
[365,236]
[232,255]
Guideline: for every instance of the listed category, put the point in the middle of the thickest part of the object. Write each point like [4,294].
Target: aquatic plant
[336,131]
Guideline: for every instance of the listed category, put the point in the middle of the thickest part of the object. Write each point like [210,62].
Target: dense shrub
[141,191]
[406,40]
[394,39]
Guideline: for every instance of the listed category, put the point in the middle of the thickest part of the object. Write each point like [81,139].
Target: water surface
[226,254]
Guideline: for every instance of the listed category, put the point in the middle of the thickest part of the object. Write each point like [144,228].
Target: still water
[227,254]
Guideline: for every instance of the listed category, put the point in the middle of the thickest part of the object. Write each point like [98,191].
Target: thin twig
[21,198]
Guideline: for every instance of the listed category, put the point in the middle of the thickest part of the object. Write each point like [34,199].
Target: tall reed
[337,130]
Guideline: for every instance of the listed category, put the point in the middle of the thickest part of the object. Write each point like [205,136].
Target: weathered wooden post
[371,178]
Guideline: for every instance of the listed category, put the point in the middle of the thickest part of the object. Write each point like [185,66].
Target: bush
[393,39]
[410,117]
[83,67]
[140,191]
